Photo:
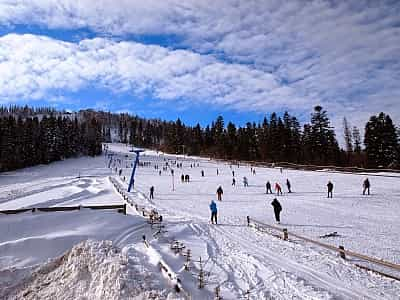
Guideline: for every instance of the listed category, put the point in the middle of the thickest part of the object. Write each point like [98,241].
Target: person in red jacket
[278,189]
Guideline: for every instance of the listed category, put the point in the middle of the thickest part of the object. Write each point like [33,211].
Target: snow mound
[90,270]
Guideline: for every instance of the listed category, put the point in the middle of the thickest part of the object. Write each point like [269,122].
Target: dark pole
[132,180]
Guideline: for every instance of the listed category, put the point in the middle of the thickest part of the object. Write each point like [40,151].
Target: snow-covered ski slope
[237,258]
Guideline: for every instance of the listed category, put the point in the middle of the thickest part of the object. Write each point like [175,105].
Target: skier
[183,178]
[268,187]
[213,208]
[254,171]
[233,173]
[366,186]
[245,182]
[219,193]
[233,181]
[159,172]
[277,210]
[217,172]
[152,192]
[288,185]
[202,173]
[330,189]
[278,189]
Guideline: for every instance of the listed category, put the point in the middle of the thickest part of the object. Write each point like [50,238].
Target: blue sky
[199,59]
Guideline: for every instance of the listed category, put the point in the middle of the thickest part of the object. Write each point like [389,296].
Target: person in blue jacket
[213,208]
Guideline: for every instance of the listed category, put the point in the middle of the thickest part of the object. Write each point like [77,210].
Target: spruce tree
[381,142]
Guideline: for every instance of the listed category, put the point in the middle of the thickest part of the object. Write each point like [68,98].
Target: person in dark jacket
[152,192]
[219,193]
[330,189]
[183,178]
[366,186]
[268,187]
[202,173]
[233,181]
[288,185]
[214,211]
[277,210]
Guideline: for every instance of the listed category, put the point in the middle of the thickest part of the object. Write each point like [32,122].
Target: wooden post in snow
[285,234]
[217,293]
[201,275]
[341,252]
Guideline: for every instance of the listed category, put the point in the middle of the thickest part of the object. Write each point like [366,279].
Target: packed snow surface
[39,250]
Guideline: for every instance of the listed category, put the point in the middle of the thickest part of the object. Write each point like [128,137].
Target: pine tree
[348,138]
[381,142]
[357,139]
[325,148]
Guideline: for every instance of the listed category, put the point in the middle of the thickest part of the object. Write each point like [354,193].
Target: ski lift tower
[132,180]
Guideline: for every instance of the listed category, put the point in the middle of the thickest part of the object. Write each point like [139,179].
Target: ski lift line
[330,247]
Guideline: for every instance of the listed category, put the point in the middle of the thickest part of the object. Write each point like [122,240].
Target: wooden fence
[120,207]
[340,249]
[310,167]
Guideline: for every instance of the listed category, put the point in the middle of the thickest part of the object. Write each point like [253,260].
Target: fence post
[217,293]
[201,275]
[188,257]
[341,251]
[248,221]
[125,209]
[285,234]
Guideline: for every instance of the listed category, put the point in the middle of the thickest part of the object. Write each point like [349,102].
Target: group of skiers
[185,178]
[275,203]
[277,207]
[278,188]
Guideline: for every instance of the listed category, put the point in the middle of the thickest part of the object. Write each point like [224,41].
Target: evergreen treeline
[31,136]
[32,140]
[273,140]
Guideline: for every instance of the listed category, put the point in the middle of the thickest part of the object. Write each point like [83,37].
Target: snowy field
[236,258]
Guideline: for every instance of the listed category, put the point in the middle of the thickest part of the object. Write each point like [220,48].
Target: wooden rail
[121,208]
[342,251]
[312,167]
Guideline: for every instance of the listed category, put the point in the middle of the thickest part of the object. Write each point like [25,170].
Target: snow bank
[90,270]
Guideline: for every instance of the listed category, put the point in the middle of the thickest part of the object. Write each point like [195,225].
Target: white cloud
[344,55]
[36,67]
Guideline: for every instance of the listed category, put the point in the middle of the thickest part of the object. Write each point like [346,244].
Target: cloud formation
[344,55]
[32,67]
